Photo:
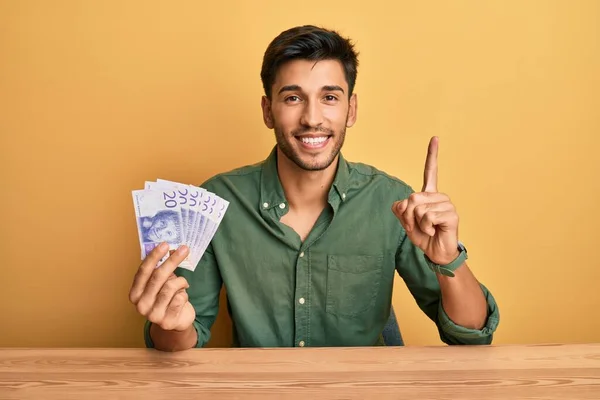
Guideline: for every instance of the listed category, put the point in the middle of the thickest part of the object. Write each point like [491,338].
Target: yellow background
[97,97]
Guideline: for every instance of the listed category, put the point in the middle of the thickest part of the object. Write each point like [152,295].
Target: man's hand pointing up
[429,218]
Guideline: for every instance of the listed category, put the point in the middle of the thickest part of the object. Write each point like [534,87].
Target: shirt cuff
[451,333]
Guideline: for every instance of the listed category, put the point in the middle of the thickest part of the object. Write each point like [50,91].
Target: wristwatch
[448,269]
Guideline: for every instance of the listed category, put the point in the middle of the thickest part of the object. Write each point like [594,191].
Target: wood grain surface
[454,372]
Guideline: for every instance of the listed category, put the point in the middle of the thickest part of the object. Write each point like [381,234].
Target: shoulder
[240,178]
[368,175]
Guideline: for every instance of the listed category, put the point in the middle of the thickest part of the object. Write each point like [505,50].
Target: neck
[305,189]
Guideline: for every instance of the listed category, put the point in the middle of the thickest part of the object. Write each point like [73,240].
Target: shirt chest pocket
[352,283]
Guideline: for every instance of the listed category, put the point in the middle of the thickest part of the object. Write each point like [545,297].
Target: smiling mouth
[313,142]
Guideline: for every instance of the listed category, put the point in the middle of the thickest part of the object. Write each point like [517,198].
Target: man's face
[309,111]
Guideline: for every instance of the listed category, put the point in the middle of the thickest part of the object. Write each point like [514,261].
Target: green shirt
[333,289]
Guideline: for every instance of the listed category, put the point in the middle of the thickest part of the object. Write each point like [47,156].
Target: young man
[310,243]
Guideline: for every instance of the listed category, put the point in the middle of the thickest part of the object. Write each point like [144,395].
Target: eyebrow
[326,88]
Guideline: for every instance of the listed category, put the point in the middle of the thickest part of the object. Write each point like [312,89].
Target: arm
[463,299]
[430,223]
[428,291]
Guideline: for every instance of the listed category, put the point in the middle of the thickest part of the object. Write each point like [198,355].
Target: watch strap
[448,269]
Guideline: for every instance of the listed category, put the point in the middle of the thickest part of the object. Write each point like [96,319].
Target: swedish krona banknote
[177,214]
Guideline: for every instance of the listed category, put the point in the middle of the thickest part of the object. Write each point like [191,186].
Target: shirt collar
[271,191]
[341,182]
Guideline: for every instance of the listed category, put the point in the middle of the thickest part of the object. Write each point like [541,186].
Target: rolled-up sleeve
[424,287]
[456,334]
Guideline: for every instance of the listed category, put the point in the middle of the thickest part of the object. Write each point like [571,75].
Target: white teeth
[318,140]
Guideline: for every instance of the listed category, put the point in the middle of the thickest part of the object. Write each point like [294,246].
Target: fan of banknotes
[178,214]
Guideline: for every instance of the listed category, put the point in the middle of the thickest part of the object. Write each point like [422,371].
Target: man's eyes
[294,99]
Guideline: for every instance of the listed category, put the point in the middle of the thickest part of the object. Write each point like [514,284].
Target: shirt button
[301,343]
[265,205]
[301,300]
[302,254]
[343,196]
[282,206]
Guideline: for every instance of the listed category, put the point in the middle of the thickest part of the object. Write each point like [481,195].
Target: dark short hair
[312,43]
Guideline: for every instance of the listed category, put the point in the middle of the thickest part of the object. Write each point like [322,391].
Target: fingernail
[182,249]
[163,246]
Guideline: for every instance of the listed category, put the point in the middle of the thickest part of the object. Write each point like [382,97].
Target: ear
[352,110]
[266,109]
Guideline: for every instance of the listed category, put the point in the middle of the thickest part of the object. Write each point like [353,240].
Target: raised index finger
[431,168]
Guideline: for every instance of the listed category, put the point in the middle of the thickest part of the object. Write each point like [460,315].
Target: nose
[312,115]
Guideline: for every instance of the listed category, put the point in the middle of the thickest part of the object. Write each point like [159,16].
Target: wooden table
[479,372]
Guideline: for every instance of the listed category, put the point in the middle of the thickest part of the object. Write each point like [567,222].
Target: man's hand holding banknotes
[175,222]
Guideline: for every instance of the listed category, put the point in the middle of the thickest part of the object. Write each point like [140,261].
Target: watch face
[461,246]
